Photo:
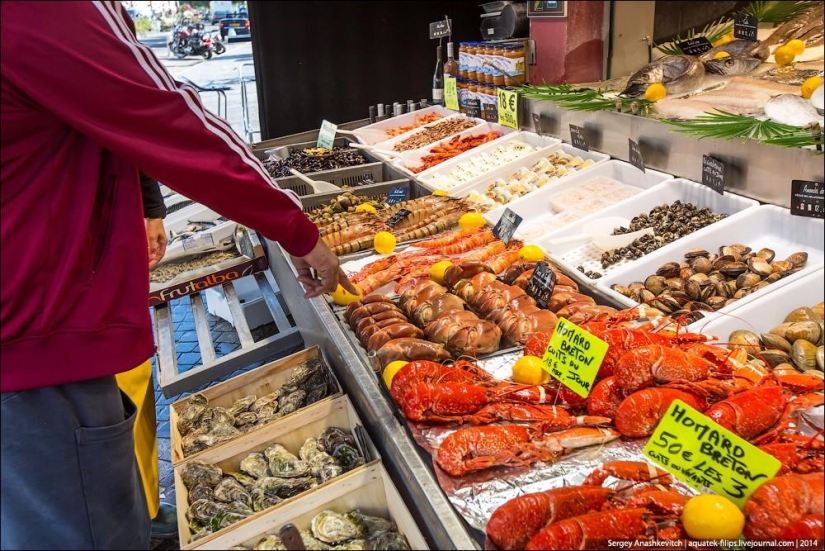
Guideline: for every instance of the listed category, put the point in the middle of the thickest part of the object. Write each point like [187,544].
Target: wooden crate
[260,381]
[369,490]
[291,432]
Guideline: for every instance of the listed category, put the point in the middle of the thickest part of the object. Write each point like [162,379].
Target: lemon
[783,55]
[810,85]
[342,297]
[528,370]
[796,46]
[440,192]
[724,40]
[471,220]
[366,207]
[390,371]
[712,517]
[720,55]
[437,271]
[655,92]
[383,242]
[530,253]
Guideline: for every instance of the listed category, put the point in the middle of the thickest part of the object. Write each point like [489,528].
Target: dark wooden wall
[332,60]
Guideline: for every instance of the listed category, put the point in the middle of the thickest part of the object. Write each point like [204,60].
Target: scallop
[775,341]
[810,331]
[669,269]
[801,314]
[766,254]
[656,284]
[803,354]
[798,259]
[743,337]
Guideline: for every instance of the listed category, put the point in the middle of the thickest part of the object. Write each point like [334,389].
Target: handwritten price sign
[573,357]
[508,108]
[450,94]
[703,454]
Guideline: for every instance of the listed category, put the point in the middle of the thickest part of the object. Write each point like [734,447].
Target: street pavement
[221,70]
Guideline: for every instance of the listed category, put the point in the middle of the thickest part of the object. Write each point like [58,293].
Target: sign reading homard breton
[705,455]
[573,357]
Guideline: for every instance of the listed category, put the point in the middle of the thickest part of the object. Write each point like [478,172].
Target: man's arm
[154,211]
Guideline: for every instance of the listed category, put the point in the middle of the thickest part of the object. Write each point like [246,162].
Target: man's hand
[329,271]
[156,236]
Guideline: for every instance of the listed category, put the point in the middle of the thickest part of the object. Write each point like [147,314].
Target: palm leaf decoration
[776,11]
[713,31]
[727,126]
[572,98]
[799,138]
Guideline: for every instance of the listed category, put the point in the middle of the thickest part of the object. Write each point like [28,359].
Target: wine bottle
[438,79]
[451,66]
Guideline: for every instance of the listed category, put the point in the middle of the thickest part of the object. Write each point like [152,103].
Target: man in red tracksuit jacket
[85,106]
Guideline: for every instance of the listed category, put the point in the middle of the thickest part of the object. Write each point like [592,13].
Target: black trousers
[69,475]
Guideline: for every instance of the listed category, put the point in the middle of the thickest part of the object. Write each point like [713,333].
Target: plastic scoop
[599,232]
[374,149]
[317,185]
[371,133]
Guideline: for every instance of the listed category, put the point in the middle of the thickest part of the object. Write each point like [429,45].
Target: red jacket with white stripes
[84,107]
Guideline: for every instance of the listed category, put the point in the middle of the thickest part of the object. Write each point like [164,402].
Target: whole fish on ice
[734,48]
[818,98]
[738,65]
[679,73]
[792,110]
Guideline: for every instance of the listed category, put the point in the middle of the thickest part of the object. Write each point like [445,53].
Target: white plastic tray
[387,145]
[413,158]
[544,143]
[589,256]
[765,226]
[536,208]
[371,138]
[760,313]
[480,184]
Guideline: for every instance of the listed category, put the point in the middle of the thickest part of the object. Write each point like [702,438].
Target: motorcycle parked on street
[217,43]
[189,40]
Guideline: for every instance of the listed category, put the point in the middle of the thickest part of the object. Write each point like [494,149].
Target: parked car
[217,16]
[235,27]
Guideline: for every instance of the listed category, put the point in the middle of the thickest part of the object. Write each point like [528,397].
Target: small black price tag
[636,158]
[713,174]
[507,226]
[541,284]
[489,112]
[441,28]
[695,46]
[745,26]
[807,198]
[537,123]
[397,194]
[473,108]
[577,138]
[397,217]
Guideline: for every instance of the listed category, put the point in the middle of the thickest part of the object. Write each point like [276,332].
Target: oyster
[322,465]
[317,387]
[348,456]
[246,481]
[291,402]
[284,464]
[371,526]
[301,373]
[261,501]
[200,491]
[389,540]
[331,527]
[265,400]
[245,420]
[283,487]
[331,437]
[203,511]
[267,413]
[270,542]
[255,465]
[200,533]
[226,517]
[191,414]
[198,472]
[230,490]
[353,544]
[223,423]
[309,450]
[242,405]
[311,543]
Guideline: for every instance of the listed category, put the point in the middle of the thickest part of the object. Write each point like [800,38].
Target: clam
[747,279]
[819,310]
[785,369]
[815,373]
[666,304]
[803,354]
[716,302]
[693,290]
[636,286]
[782,266]
[733,269]
[773,278]
[820,357]
[675,284]
[198,472]
[669,269]
[621,289]
[766,254]
[775,357]
[332,527]
[255,465]
[760,267]
[746,338]
[730,252]
[686,272]
[701,265]
[696,253]
[741,293]
[810,331]
[798,259]
[781,329]
[656,283]
[741,249]
[716,277]
[723,261]
[775,341]
[701,279]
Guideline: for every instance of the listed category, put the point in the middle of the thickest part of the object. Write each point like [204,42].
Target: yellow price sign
[508,108]
[574,356]
[703,454]
[450,93]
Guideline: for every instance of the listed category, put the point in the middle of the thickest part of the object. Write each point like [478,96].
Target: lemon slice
[810,85]
[342,297]
[438,269]
[366,207]
[530,253]
[712,517]
[471,220]
[720,55]
[528,370]
[655,92]
[796,46]
[440,192]
[383,242]
[783,55]
[390,371]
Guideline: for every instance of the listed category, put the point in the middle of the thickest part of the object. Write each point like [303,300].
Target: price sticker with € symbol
[508,108]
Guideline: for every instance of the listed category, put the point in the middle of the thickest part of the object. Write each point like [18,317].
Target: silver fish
[736,48]
[792,110]
[734,65]
[679,73]
[817,99]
